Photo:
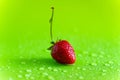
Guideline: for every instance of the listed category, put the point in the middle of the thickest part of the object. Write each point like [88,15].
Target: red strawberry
[63,52]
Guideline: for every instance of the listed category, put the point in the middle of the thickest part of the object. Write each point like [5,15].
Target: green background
[91,26]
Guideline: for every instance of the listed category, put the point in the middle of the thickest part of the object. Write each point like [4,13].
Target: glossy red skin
[63,52]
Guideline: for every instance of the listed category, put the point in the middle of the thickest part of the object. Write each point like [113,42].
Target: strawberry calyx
[52,42]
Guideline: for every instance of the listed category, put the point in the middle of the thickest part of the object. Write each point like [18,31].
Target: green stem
[51,23]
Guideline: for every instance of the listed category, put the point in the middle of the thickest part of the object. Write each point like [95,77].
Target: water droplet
[110,62]
[103,74]
[55,70]
[94,64]
[45,74]
[111,67]
[59,69]
[41,68]
[101,56]
[118,70]
[104,70]
[83,69]
[50,78]
[78,68]
[70,76]
[102,52]
[20,76]
[69,52]
[20,46]
[32,78]
[79,55]
[64,71]
[76,74]
[20,71]
[27,75]
[13,71]
[108,56]
[85,52]
[49,68]
[23,62]
[10,78]
[35,68]
[118,64]
[21,57]
[81,77]
[8,67]
[94,55]
[106,64]
[29,70]
[90,68]
[9,63]
[0,69]
[34,60]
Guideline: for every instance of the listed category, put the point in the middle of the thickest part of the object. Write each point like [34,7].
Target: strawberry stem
[51,22]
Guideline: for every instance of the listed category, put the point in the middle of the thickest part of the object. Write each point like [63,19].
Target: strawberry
[61,51]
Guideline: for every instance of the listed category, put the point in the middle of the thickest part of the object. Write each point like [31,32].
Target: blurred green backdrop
[24,27]
[95,17]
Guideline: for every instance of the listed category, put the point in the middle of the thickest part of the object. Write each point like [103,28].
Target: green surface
[92,27]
